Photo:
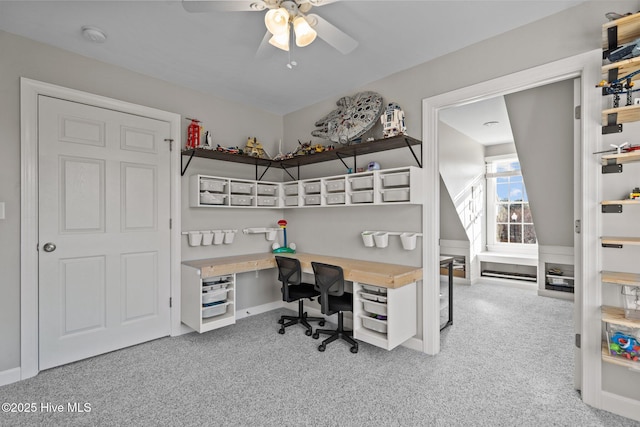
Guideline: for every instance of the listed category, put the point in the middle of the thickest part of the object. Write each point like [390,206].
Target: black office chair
[293,289]
[333,299]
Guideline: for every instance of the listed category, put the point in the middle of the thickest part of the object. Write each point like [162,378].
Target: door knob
[49,247]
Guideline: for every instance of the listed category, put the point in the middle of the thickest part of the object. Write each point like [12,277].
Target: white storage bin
[396,195]
[241,188]
[267,190]
[335,185]
[373,297]
[267,201]
[362,197]
[400,179]
[291,201]
[214,283]
[361,182]
[375,289]
[241,200]
[335,199]
[312,187]
[374,324]
[311,200]
[213,185]
[214,296]
[214,310]
[374,307]
[207,198]
[291,190]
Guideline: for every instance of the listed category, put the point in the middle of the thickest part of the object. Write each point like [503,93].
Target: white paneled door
[104,242]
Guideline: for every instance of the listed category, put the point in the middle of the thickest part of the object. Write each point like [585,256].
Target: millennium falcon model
[354,116]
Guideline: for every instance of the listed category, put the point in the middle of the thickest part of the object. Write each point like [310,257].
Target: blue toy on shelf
[286,249]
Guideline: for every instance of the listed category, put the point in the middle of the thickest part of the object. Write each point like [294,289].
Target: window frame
[492,209]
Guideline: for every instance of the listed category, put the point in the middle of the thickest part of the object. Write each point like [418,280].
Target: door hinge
[170,223]
[170,302]
[578,226]
[577,112]
[578,340]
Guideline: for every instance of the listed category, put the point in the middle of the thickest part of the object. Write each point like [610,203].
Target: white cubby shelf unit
[381,187]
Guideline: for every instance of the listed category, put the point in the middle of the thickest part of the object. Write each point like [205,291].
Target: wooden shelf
[618,278]
[621,202]
[626,114]
[609,240]
[628,30]
[400,141]
[632,156]
[620,361]
[615,316]
[625,67]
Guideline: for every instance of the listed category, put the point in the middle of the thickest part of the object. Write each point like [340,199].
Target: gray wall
[230,122]
[542,124]
[568,33]
[450,225]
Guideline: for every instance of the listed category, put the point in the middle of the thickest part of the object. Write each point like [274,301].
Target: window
[509,217]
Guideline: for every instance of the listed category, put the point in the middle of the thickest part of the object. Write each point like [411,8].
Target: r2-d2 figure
[393,121]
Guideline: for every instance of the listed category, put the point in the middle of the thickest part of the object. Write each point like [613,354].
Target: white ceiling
[470,120]
[215,52]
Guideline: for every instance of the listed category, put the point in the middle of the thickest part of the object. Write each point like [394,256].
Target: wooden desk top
[367,272]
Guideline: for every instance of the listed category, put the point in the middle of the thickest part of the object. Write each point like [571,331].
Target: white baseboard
[621,405]
[259,309]
[532,286]
[9,376]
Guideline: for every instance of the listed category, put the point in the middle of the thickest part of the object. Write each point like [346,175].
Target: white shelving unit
[207,303]
[217,192]
[398,306]
[384,187]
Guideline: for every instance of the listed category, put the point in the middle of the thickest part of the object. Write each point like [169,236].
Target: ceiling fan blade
[332,34]
[306,5]
[197,6]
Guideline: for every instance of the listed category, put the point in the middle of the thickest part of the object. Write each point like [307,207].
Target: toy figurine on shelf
[229,150]
[304,149]
[393,121]
[193,134]
[254,148]
[635,194]
[286,249]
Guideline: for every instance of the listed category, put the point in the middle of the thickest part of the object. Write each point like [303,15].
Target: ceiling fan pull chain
[291,63]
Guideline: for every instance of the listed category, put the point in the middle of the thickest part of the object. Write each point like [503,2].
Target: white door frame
[29,92]
[588,67]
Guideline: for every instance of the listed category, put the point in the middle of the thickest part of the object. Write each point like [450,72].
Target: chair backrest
[289,273]
[329,281]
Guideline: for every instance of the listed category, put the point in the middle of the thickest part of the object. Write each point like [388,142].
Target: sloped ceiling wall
[542,125]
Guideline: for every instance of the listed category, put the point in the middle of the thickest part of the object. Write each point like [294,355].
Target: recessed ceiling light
[491,123]
[93,34]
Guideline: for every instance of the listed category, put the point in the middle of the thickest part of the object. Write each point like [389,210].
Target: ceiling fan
[282,17]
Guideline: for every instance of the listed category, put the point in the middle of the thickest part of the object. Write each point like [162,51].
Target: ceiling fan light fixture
[281,41]
[277,21]
[305,35]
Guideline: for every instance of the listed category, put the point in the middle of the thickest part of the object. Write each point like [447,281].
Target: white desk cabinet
[399,307]
[207,303]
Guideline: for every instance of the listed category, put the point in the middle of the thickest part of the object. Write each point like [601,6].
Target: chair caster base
[281,331]
[322,347]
